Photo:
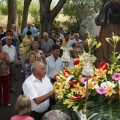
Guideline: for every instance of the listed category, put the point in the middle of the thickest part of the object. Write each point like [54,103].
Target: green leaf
[104,111]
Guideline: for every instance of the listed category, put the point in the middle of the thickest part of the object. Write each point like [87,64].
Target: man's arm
[41,99]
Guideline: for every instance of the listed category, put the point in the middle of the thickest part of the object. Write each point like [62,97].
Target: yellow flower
[110,91]
[75,108]
[91,85]
[98,45]
[95,78]
[99,73]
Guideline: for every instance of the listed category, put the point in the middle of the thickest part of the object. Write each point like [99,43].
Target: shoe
[22,71]
[13,90]
[19,58]
[7,105]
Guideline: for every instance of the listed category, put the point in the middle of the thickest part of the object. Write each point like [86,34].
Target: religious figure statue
[109,20]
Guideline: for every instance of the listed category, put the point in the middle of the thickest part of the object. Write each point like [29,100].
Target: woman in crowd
[57,39]
[40,56]
[4,76]
[27,41]
[31,57]
[22,109]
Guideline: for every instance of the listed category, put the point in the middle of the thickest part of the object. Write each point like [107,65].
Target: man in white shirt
[54,62]
[75,40]
[39,89]
[11,51]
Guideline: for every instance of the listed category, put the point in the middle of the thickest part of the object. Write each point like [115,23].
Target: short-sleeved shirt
[32,87]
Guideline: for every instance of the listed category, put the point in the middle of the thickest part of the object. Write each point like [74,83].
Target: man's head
[76,52]
[66,35]
[8,40]
[76,35]
[45,35]
[9,33]
[56,51]
[29,25]
[14,26]
[38,69]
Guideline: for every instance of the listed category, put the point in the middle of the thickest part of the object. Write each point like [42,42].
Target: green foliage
[19,6]
[35,12]
[105,111]
[78,10]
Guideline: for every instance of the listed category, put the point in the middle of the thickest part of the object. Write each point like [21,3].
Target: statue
[109,20]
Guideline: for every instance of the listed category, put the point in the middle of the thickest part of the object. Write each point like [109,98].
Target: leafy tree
[35,12]
[47,15]
[19,5]
[25,13]
[11,13]
[77,10]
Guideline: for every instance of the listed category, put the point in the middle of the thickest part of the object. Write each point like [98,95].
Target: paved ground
[7,112]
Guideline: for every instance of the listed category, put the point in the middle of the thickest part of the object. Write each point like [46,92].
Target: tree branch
[57,8]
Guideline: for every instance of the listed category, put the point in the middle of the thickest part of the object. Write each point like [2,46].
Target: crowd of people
[41,61]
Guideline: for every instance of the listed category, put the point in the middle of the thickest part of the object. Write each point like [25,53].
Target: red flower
[75,97]
[56,76]
[66,73]
[76,62]
[70,83]
[103,66]
[74,81]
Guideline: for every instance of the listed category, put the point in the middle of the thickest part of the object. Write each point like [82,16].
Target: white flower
[68,79]
[96,86]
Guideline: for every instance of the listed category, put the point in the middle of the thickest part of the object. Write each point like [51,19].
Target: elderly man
[39,89]
[30,28]
[11,51]
[75,40]
[46,44]
[9,33]
[54,62]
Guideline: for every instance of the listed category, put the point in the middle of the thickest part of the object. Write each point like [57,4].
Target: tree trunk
[11,13]
[25,13]
[47,16]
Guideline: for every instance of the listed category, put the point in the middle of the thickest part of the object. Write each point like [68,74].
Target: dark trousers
[38,116]
[4,83]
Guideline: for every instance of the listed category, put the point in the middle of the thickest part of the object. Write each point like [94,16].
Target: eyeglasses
[79,52]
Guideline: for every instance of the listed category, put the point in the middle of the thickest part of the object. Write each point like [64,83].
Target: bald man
[39,89]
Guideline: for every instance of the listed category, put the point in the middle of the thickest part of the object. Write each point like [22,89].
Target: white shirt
[11,51]
[32,87]
[69,44]
[53,66]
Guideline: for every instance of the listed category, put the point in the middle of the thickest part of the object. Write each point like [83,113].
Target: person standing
[39,89]
[17,35]
[11,51]
[46,44]
[29,28]
[4,77]
[54,63]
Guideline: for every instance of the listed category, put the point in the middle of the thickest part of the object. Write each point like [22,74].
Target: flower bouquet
[96,93]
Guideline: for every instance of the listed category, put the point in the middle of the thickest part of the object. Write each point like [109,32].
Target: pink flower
[101,90]
[83,80]
[116,76]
